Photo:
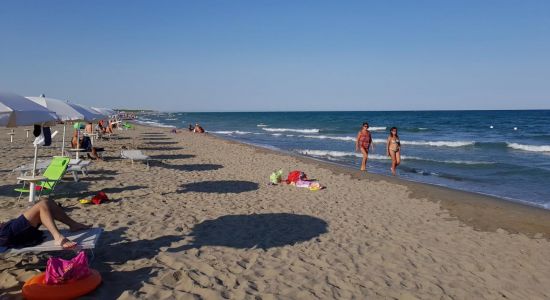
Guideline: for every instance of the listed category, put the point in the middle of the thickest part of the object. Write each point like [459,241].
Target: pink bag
[60,271]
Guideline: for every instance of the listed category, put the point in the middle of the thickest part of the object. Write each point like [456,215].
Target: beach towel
[294,176]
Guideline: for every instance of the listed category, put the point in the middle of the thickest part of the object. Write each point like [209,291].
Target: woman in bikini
[393,148]
[364,143]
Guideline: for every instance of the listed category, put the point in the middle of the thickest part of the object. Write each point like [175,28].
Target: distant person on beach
[364,143]
[89,128]
[198,128]
[109,128]
[101,126]
[86,145]
[393,148]
[191,127]
[23,230]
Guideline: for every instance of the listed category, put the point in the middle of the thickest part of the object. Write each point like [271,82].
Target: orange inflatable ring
[35,288]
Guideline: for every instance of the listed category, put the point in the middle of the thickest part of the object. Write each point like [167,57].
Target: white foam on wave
[530,148]
[230,132]
[329,154]
[261,125]
[322,137]
[154,124]
[380,128]
[291,130]
[276,134]
[439,143]
[457,162]
[383,141]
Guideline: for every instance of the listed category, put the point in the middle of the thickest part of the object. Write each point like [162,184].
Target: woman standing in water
[363,143]
[393,148]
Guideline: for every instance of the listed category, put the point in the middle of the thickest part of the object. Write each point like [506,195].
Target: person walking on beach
[364,143]
[393,148]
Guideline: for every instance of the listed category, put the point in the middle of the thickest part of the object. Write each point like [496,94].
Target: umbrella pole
[63,144]
[32,183]
[78,142]
[34,161]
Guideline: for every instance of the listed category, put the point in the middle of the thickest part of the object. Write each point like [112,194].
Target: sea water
[500,153]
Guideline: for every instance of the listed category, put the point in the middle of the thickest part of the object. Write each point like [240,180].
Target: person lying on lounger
[23,230]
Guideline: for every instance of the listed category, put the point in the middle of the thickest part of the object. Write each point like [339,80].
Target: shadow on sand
[115,250]
[9,190]
[161,143]
[187,168]
[172,156]
[161,148]
[255,231]
[155,138]
[219,186]
[102,172]
[123,188]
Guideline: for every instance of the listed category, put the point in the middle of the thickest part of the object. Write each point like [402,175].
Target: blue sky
[279,55]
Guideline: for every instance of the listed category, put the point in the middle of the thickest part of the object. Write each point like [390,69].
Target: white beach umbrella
[16,111]
[105,111]
[90,115]
[62,109]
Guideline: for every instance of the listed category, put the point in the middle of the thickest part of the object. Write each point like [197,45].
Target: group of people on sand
[393,146]
[106,129]
[23,230]
[196,129]
[85,143]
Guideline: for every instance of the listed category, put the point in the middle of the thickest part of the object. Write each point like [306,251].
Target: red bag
[60,271]
[294,176]
[100,197]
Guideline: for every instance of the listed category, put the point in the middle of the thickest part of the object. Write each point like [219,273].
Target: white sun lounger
[86,239]
[134,155]
[75,166]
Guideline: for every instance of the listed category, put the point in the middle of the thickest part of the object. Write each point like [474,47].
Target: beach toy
[276,177]
[85,201]
[36,288]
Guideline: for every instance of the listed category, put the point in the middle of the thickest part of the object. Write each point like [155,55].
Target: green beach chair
[54,173]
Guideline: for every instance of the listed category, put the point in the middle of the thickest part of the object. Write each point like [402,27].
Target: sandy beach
[202,223]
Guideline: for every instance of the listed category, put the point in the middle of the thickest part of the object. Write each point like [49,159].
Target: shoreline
[470,208]
[267,147]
